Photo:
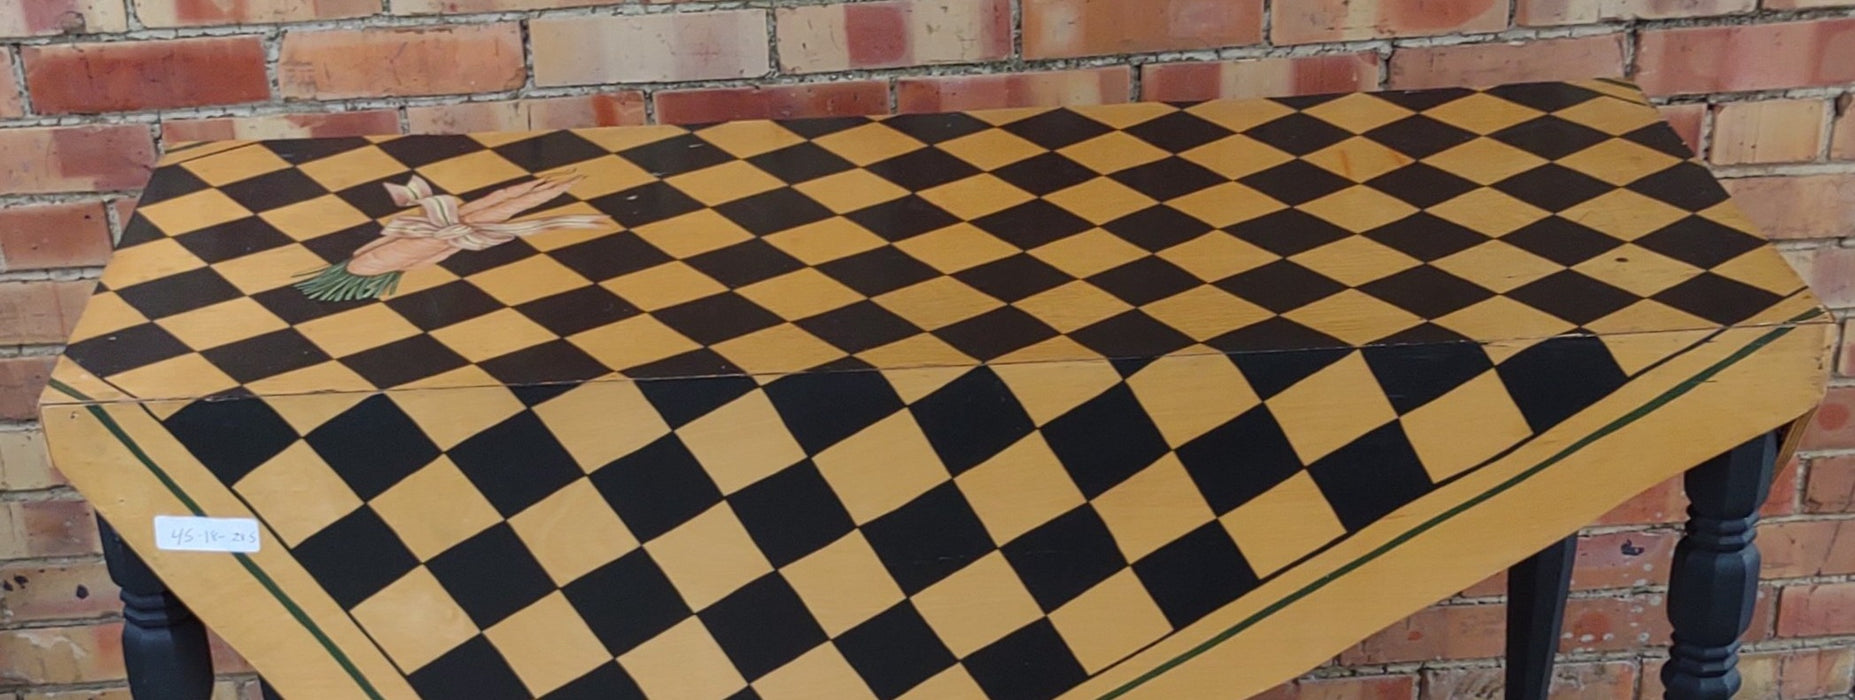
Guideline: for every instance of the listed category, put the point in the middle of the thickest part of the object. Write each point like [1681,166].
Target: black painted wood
[1536,590]
[1714,581]
[267,691]
[163,645]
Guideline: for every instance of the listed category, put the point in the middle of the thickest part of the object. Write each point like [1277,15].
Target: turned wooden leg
[1714,581]
[267,691]
[163,645]
[1536,591]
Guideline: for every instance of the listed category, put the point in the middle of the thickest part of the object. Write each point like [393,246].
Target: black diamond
[554,149]
[373,199]
[996,333]
[1057,128]
[472,670]
[821,408]
[859,327]
[1304,102]
[1169,178]
[515,463]
[1562,241]
[443,305]
[774,211]
[801,162]
[656,488]
[1064,557]
[1240,460]
[608,682]
[676,155]
[578,310]
[1426,237]
[1537,378]
[1146,280]
[170,182]
[1105,440]
[1662,137]
[550,362]
[416,151]
[878,271]
[935,128]
[289,304]
[929,538]
[300,151]
[1277,353]
[1422,185]
[1546,97]
[762,626]
[1686,185]
[610,256]
[1281,286]
[645,204]
[1032,663]
[1046,173]
[372,446]
[1288,232]
[481,260]
[1298,134]
[1419,136]
[792,513]
[698,363]
[215,244]
[1414,374]
[126,349]
[971,419]
[1717,299]
[1699,241]
[717,318]
[923,169]
[231,438]
[1196,574]
[824,126]
[1131,333]
[1550,137]
[1371,476]
[138,230]
[1274,334]
[1420,100]
[266,355]
[1553,187]
[894,651]
[1573,297]
[1032,224]
[1427,291]
[404,361]
[354,557]
[166,296]
[1157,228]
[1014,278]
[1178,132]
[627,602]
[339,246]
[1296,182]
[902,219]
[745,263]
[491,575]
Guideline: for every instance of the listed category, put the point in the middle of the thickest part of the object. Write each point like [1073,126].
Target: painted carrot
[444,226]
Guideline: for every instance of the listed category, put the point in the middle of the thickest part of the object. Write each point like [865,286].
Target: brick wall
[91,89]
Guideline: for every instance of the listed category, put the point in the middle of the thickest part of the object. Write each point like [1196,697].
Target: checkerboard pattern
[923,406]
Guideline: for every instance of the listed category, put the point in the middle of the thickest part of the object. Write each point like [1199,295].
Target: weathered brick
[1355,688]
[1494,64]
[1807,548]
[834,99]
[1308,21]
[1047,88]
[1614,624]
[1796,674]
[434,7]
[1842,142]
[1817,610]
[1833,426]
[1746,57]
[1549,12]
[1805,4]
[11,105]
[1686,120]
[1067,28]
[1663,503]
[1831,485]
[40,312]
[223,689]
[1785,491]
[283,126]
[892,33]
[181,13]
[1266,77]
[1623,559]
[1440,632]
[132,75]
[649,48]
[86,653]
[21,380]
[75,234]
[624,108]
[1798,206]
[24,463]
[75,158]
[443,60]
[32,592]
[1767,131]
[1615,680]
[47,17]
[46,529]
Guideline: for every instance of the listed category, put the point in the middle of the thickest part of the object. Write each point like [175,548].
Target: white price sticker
[190,534]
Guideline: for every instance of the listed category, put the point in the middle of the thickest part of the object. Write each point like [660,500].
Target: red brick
[1807,548]
[1831,486]
[1767,131]
[1355,688]
[1784,491]
[1548,12]
[649,48]
[123,76]
[1664,503]
[1615,680]
[38,592]
[88,653]
[283,126]
[1440,632]
[1266,77]
[1623,559]
[53,235]
[425,61]
[623,108]
[1805,4]
[1798,206]
[892,33]
[1833,426]
[1746,57]
[1495,64]
[225,659]
[181,13]
[435,7]
[46,529]
[21,380]
[1842,142]
[1067,28]
[10,103]
[41,312]
[1796,674]
[1614,624]
[1049,88]
[24,463]
[1308,21]
[834,99]
[75,158]
[1817,610]
[1686,120]
[47,17]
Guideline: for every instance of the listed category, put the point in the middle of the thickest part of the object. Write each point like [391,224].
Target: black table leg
[164,646]
[1536,591]
[268,692]
[1714,581]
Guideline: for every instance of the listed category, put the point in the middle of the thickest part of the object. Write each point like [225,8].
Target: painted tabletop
[1157,400]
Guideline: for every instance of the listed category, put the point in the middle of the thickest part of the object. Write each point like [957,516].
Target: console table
[1144,401]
